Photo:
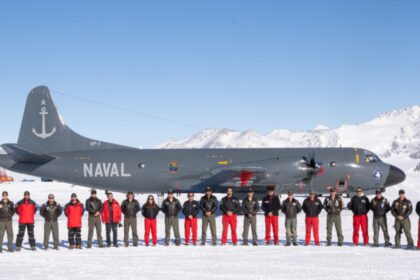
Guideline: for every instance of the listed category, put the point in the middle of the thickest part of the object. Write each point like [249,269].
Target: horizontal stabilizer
[22,155]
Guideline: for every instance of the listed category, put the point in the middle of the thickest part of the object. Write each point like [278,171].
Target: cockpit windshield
[370,158]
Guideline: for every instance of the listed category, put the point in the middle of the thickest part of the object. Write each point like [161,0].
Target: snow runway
[227,262]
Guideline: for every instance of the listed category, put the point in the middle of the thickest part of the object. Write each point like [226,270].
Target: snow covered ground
[208,262]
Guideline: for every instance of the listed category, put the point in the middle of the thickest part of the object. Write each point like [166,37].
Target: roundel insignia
[377,174]
[174,167]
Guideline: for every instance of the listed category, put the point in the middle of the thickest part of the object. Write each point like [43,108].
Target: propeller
[311,165]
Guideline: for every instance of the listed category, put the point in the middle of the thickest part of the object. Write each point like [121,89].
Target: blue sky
[222,64]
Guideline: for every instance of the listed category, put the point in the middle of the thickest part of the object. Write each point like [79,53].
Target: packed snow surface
[227,262]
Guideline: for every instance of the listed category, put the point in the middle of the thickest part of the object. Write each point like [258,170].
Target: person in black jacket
[380,207]
[208,205]
[7,210]
[271,207]
[360,205]
[171,208]
[401,209]
[312,206]
[418,214]
[51,210]
[190,209]
[291,207]
[94,207]
[250,208]
[150,210]
[230,207]
[130,207]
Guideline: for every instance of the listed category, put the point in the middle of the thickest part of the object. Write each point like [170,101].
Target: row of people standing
[110,213]
[401,209]
[360,205]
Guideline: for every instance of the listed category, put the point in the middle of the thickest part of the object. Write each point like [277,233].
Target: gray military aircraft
[47,147]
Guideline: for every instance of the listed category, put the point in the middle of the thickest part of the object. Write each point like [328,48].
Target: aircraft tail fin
[43,130]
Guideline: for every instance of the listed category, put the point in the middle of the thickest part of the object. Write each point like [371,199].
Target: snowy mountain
[394,135]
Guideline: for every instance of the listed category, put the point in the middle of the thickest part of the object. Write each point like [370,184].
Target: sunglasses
[190,196]
[359,191]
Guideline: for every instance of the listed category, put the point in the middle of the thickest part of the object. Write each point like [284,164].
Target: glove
[120,225]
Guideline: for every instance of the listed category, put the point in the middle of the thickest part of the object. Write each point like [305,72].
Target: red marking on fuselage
[245,176]
[320,171]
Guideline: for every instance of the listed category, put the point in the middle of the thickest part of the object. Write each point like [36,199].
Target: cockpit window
[371,159]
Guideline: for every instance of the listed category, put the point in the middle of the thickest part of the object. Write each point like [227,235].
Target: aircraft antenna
[123,109]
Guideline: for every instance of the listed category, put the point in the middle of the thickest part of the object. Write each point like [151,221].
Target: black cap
[271,188]
[208,189]
[73,195]
[170,191]
[250,190]
[378,191]
[401,192]
[4,193]
[312,192]
[333,190]
[93,191]
[26,193]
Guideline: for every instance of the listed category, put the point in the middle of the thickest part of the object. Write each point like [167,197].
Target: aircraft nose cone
[395,176]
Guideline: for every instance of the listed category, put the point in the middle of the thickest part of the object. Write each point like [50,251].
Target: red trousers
[360,221]
[418,239]
[150,226]
[312,223]
[272,223]
[229,221]
[190,225]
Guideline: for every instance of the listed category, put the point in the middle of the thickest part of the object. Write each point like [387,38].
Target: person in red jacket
[111,217]
[26,209]
[74,212]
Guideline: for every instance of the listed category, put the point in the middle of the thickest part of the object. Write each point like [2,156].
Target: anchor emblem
[44,134]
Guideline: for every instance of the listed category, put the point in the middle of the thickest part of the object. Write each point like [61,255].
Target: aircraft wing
[233,176]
